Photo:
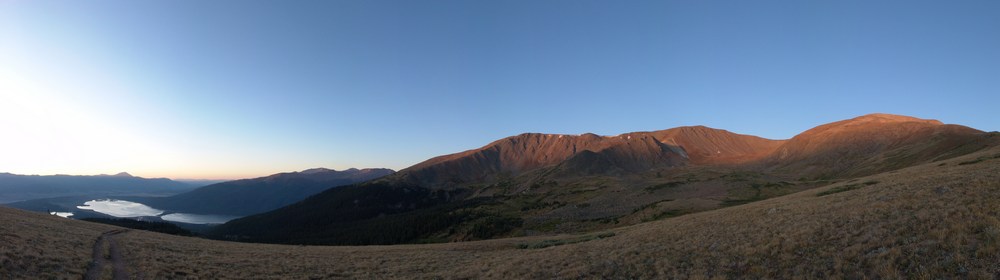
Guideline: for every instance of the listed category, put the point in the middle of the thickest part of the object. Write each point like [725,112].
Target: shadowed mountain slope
[250,196]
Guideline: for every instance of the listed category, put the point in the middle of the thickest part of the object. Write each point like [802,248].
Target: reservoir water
[62,214]
[120,208]
[128,209]
[197,218]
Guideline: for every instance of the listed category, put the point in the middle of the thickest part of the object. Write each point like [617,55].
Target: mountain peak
[317,170]
[590,153]
[123,174]
[872,123]
[863,145]
[890,118]
[351,170]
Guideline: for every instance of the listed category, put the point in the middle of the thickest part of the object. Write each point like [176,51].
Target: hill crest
[629,152]
[872,143]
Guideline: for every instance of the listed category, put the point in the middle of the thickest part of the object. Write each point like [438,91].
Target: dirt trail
[114,256]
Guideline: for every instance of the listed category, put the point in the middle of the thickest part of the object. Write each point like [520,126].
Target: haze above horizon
[238,89]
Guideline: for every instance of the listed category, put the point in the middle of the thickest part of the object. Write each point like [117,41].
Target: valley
[212,204]
[934,220]
[878,195]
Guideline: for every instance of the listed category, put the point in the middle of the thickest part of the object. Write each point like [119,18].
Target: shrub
[494,225]
[557,242]
[666,214]
[978,160]
[840,189]
[667,185]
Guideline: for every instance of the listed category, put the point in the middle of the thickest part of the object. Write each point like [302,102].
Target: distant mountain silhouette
[251,196]
[27,187]
[122,174]
[558,183]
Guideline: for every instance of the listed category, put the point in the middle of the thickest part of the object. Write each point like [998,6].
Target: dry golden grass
[38,246]
[925,222]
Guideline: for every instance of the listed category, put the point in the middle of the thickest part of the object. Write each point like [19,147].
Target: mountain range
[546,183]
[935,220]
[689,202]
[230,198]
[251,196]
[15,187]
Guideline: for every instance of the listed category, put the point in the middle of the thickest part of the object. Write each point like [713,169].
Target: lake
[128,209]
[120,208]
[197,218]
[62,214]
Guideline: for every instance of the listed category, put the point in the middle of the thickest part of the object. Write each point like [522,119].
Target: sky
[238,89]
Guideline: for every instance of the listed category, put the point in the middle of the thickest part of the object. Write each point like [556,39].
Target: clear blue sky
[227,89]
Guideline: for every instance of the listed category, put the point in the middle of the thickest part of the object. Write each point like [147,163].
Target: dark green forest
[374,213]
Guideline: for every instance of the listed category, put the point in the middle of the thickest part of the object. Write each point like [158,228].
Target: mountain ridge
[918,222]
[840,147]
[255,195]
[685,145]
[15,187]
[553,183]
[634,151]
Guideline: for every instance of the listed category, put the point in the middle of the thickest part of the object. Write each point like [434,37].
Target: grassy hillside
[937,220]
[39,246]
[161,227]
[393,213]
[554,184]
